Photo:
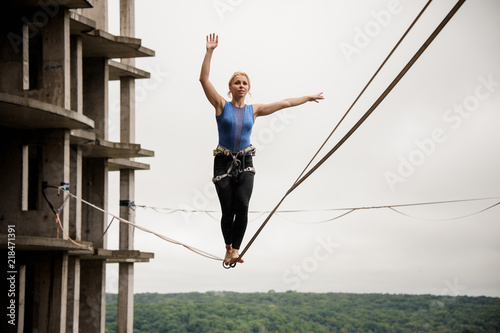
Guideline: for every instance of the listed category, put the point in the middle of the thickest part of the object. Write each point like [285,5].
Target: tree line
[293,312]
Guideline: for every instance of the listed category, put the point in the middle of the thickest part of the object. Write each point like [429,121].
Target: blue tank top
[235,126]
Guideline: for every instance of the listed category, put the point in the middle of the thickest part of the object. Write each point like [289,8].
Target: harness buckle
[235,169]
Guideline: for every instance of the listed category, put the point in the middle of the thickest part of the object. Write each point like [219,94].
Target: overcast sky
[434,138]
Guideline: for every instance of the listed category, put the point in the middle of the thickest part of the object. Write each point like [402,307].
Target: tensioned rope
[348,209]
[170,240]
[302,178]
[449,219]
[393,208]
[58,211]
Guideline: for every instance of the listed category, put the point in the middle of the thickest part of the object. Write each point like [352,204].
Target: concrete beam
[57,3]
[117,164]
[80,24]
[81,137]
[26,113]
[102,44]
[118,70]
[107,149]
[28,243]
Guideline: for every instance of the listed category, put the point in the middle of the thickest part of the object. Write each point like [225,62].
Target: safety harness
[237,166]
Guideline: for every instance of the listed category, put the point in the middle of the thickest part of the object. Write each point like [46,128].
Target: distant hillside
[292,312]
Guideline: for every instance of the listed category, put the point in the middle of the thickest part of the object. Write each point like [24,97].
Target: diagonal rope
[365,87]
[356,126]
[165,238]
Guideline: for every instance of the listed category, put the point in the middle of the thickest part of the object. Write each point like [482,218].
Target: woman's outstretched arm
[212,95]
[267,109]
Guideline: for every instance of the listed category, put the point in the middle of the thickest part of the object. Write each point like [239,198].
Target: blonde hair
[235,74]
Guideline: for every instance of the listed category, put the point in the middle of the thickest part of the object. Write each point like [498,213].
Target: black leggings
[234,196]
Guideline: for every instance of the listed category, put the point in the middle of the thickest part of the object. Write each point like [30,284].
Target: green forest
[292,312]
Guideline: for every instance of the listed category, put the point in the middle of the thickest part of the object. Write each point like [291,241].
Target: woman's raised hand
[316,98]
[212,41]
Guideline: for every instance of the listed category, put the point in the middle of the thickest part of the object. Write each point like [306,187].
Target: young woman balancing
[233,165]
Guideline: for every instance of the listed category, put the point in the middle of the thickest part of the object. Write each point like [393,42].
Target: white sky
[292,48]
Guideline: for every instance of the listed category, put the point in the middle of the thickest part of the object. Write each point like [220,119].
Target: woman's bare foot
[228,256]
[235,255]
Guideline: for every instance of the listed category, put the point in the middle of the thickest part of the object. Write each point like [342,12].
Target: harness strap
[236,165]
[222,150]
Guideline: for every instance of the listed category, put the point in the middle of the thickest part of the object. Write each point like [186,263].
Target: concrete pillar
[73,309]
[75,218]
[56,170]
[125,316]
[21,299]
[56,68]
[98,13]
[127,177]
[92,296]
[127,109]
[95,190]
[95,184]
[127,18]
[76,74]
[127,182]
[12,39]
[50,292]
[95,94]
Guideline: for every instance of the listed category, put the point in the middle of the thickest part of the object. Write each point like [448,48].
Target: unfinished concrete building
[56,60]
